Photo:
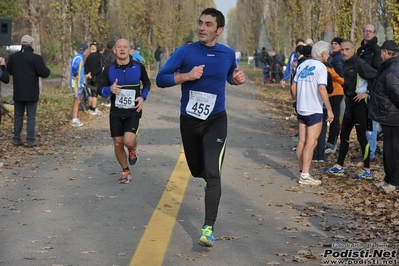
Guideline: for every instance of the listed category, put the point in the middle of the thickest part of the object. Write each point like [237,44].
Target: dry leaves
[363,211]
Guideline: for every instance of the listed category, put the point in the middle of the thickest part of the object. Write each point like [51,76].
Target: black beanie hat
[337,40]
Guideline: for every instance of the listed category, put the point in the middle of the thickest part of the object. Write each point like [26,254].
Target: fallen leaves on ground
[365,213]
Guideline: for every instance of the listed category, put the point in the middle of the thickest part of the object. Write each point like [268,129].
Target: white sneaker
[92,112]
[309,181]
[329,150]
[76,122]
[379,184]
[107,105]
[98,112]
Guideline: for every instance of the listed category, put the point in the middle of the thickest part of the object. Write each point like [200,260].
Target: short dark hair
[299,40]
[100,47]
[110,44]
[216,14]
[299,49]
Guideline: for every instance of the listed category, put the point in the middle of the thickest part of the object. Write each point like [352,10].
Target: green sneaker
[206,239]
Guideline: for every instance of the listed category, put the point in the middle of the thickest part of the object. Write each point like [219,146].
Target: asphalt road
[68,208]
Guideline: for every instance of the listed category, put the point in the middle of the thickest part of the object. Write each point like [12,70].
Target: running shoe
[364,175]
[335,171]
[309,181]
[206,239]
[98,112]
[328,150]
[133,157]
[76,122]
[18,143]
[92,112]
[379,184]
[389,188]
[126,177]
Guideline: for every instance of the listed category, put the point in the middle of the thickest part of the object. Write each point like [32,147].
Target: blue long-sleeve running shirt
[219,61]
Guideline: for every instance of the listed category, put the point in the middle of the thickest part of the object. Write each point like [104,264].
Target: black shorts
[120,125]
[92,90]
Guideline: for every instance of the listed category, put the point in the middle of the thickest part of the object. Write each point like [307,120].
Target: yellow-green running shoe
[206,239]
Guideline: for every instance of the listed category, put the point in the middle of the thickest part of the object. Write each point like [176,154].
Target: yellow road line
[155,240]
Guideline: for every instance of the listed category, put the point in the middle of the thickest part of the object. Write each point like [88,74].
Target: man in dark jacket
[93,67]
[4,76]
[109,58]
[357,75]
[384,109]
[157,57]
[26,68]
[109,54]
[370,52]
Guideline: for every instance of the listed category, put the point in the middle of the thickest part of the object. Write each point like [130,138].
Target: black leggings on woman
[204,143]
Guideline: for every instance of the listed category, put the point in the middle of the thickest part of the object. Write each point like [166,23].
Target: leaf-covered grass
[368,214]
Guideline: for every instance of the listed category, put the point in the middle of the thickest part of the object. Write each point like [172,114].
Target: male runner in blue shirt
[204,67]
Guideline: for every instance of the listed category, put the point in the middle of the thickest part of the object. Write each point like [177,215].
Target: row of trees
[59,26]
[277,23]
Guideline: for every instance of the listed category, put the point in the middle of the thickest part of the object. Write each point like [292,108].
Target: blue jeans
[19,110]
[372,139]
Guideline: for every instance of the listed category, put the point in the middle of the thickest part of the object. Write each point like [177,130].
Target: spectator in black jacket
[384,109]
[93,68]
[109,58]
[357,75]
[157,57]
[26,67]
[370,52]
[109,54]
[4,76]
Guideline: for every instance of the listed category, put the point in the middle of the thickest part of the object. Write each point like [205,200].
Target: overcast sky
[225,5]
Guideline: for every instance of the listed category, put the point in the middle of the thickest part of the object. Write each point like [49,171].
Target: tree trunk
[354,18]
[35,30]
[66,41]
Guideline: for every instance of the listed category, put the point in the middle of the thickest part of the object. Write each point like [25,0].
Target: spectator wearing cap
[384,109]
[93,67]
[136,56]
[336,96]
[26,67]
[370,52]
[336,59]
[77,82]
[93,46]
